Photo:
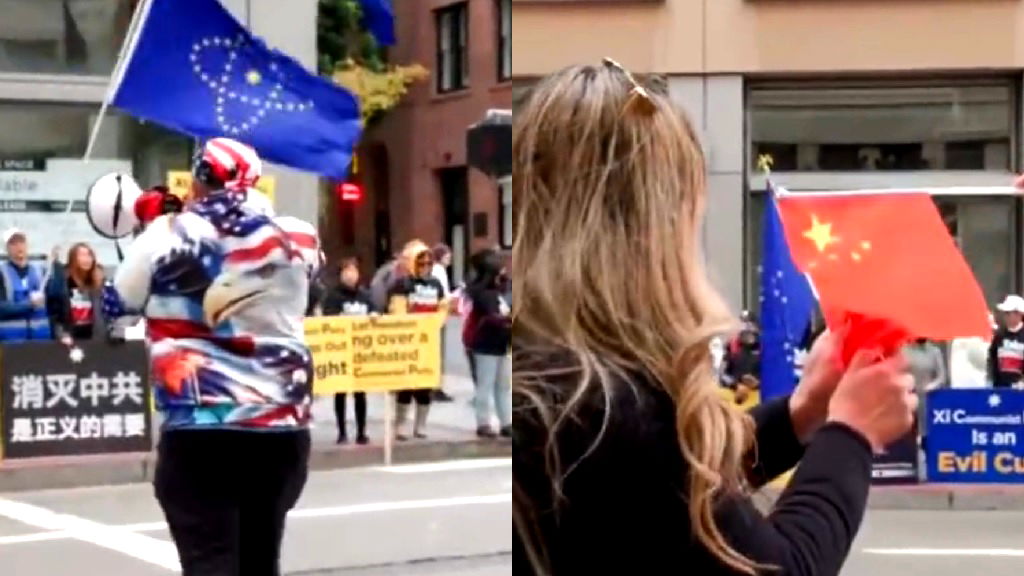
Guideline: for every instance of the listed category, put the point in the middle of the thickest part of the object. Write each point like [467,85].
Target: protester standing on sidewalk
[469,320]
[928,367]
[415,292]
[1006,351]
[349,298]
[442,265]
[490,347]
[82,300]
[626,459]
[231,371]
[31,307]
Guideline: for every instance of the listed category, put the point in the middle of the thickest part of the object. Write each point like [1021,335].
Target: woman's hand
[808,406]
[1019,182]
[875,398]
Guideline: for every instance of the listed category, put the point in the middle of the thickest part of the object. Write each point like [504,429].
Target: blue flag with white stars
[787,307]
[197,70]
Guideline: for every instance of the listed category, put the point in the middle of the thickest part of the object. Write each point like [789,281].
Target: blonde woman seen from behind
[626,458]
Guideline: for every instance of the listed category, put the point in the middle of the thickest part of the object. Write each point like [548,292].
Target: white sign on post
[36,201]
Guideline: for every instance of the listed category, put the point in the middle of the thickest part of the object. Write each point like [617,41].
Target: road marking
[150,550]
[400,505]
[57,531]
[994,552]
[448,466]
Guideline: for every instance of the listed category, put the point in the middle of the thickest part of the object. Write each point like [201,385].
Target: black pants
[226,494]
[422,397]
[341,407]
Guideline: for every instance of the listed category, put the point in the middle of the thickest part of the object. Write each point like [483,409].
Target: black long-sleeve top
[625,511]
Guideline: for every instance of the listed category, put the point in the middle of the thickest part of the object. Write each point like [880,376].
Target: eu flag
[197,70]
[379,19]
[787,306]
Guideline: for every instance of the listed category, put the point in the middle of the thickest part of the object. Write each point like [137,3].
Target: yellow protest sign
[375,354]
[753,398]
[180,183]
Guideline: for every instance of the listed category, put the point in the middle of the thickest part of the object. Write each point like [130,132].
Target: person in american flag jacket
[231,372]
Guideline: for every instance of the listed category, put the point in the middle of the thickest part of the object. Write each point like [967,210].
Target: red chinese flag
[885,266]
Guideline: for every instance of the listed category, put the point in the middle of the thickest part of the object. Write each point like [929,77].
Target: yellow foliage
[379,92]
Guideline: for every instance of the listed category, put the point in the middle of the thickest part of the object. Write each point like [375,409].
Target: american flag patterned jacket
[222,288]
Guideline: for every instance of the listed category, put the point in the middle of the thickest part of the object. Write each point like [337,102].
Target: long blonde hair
[609,192]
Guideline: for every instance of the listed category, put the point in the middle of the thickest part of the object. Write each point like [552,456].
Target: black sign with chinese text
[59,401]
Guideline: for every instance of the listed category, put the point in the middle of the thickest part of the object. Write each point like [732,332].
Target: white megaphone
[110,205]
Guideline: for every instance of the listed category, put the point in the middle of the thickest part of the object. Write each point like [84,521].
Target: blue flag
[379,19]
[787,306]
[195,69]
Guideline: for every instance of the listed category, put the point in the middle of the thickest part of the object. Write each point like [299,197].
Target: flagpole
[120,68]
[117,76]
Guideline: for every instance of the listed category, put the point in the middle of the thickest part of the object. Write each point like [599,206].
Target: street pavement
[449,518]
[452,518]
[938,543]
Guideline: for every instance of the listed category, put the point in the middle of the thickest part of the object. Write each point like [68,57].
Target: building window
[453,48]
[504,40]
[70,37]
[872,127]
[506,212]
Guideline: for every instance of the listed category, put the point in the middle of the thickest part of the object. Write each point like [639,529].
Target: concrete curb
[107,470]
[936,497]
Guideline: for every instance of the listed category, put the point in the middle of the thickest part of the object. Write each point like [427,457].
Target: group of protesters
[417,281]
[63,301]
[56,303]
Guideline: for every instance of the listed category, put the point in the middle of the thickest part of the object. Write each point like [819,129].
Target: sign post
[376,354]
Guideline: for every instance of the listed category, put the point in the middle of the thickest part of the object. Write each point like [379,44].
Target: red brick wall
[428,131]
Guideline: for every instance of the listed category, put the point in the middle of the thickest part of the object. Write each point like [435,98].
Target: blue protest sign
[972,436]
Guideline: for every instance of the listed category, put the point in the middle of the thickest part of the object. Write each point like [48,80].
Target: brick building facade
[414,164]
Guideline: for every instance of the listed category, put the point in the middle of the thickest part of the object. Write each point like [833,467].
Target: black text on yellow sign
[378,354]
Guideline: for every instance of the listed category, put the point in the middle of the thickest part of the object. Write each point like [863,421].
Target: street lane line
[60,532]
[400,505]
[993,552]
[36,537]
[138,546]
[448,466]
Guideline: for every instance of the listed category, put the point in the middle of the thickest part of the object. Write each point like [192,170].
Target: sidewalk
[451,430]
[934,497]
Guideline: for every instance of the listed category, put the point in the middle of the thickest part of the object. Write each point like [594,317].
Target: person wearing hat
[416,291]
[222,287]
[24,311]
[1006,352]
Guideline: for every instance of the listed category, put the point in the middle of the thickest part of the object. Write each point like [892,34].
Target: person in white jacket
[231,371]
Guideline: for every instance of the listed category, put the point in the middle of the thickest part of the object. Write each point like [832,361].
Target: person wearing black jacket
[1006,352]
[348,298]
[489,344]
[81,299]
[621,510]
[626,458]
